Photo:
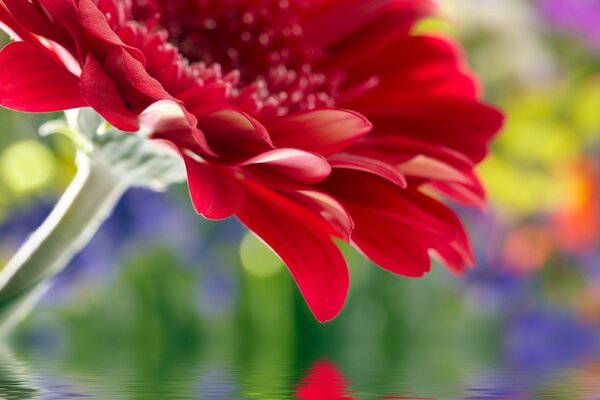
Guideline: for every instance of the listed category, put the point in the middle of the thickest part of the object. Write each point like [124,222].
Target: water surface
[115,374]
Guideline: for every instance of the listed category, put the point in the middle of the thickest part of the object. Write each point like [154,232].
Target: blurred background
[163,304]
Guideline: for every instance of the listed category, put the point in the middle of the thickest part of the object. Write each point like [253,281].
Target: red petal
[215,195]
[329,209]
[102,95]
[351,16]
[169,120]
[387,243]
[130,76]
[370,165]
[233,135]
[303,242]
[31,18]
[430,168]
[294,164]
[396,228]
[321,131]
[464,126]
[435,67]
[32,81]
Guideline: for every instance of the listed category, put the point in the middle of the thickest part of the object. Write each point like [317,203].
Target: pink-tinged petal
[215,195]
[427,167]
[303,242]
[233,135]
[32,81]
[101,94]
[369,164]
[454,257]
[329,209]
[326,131]
[168,120]
[472,195]
[297,165]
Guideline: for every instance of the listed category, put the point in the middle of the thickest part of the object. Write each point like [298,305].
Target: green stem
[87,203]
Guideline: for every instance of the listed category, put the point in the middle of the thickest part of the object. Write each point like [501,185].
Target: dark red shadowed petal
[31,18]
[303,242]
[129,74]
[98,34]
[325,131]
[233,135]
[32,81]
[100,93]
[67,16]
[215,195]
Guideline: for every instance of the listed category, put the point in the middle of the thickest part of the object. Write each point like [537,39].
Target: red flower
[264,87]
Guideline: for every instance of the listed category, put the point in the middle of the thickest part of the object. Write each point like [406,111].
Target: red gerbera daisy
[265,90]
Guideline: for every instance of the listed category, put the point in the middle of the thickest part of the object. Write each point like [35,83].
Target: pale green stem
[87,203]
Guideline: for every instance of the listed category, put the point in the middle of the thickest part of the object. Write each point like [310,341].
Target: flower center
[262,43]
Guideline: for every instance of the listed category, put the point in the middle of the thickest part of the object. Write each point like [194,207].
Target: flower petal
[368,164]
[324,131]
[331,21]
[30,17]
[294,164]
[215,195]
[303,242]
[169,120]
[101,94]
[233,135]
[132,79]
[32,81]
[396,228]
[329,209]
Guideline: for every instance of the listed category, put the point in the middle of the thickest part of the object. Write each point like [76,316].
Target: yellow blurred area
[434,26]
[257,259]
[547,130]
[26,166]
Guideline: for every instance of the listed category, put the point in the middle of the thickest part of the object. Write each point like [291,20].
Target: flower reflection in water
[324,382]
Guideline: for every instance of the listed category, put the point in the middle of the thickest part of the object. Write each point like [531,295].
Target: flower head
[307,119]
